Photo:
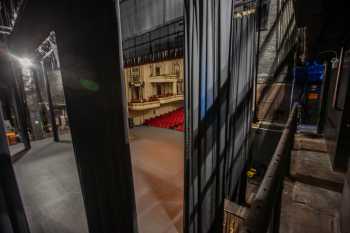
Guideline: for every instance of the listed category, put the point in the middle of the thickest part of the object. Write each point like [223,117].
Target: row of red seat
[180,127]
[170,120]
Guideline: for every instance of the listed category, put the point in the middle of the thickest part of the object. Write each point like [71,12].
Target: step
[308,142]
[309,209]
[315,168]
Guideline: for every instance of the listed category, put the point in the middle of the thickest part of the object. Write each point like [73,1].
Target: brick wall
[274,85]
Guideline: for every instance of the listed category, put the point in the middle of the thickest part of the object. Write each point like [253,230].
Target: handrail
[269,192]
[336,88]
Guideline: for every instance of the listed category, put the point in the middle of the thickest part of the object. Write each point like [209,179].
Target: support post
[92,73]
[324,95]
[43,110]
[257,59]
[88,35]
[51,105]
[21,108]
[33,105]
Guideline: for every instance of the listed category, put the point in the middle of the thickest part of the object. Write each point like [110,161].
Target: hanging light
[25,62]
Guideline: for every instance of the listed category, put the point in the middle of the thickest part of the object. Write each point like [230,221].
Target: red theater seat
[172,120]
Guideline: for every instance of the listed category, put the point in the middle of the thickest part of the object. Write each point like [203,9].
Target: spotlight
[25,62]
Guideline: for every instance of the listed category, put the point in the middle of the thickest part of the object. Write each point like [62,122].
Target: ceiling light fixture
[25,62]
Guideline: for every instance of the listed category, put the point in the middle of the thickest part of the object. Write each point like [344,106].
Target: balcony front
[154,102]
[170,99]
[136,82]
[141,106]
[164,78]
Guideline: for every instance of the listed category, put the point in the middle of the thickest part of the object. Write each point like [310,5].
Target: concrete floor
[48,181]
[308,209]
[312,196]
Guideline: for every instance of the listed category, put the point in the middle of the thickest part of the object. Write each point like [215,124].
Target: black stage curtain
[12,215]
[220,69]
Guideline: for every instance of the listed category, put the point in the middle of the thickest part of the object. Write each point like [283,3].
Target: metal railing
[265,211]
[264,214]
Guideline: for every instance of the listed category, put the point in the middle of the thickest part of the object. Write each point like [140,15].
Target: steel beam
[56,137]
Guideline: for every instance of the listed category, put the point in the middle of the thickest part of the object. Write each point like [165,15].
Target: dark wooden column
[12,219]
[89,44]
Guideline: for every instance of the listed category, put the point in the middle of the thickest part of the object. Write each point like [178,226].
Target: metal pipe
[324,95]
[259,217]
[255,99]
[293,82]
[336,88]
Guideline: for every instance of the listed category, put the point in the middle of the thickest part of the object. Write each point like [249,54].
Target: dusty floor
[48,180]
[312,196]
[157,156]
